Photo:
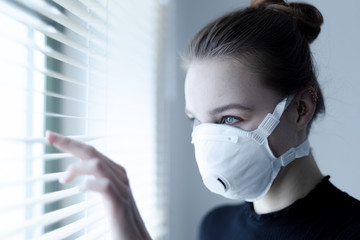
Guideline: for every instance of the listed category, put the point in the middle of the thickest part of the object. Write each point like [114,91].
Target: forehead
[214,82]
[220,75]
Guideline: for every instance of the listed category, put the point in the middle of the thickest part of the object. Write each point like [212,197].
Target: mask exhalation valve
[216,184]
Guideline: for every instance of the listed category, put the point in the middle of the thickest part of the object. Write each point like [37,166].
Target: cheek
[283,138]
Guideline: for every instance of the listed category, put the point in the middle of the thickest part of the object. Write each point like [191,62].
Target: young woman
[252,93]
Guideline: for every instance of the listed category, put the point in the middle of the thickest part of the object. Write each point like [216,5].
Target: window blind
[87,69]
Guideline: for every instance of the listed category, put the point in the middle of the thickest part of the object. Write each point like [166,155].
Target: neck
[292,183]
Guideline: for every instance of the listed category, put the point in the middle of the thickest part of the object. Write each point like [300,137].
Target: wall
[334,138]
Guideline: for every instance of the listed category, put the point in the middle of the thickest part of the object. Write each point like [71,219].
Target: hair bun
[259,3]
[309,17]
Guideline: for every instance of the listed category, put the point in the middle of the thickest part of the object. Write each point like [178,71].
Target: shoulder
[342,200]
[347,217]
[220,221]
[347,207]
[340,213]
[327,196]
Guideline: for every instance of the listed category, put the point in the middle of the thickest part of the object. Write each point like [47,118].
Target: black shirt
[325,213]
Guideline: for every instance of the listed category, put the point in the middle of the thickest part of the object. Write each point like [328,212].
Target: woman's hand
[110,180]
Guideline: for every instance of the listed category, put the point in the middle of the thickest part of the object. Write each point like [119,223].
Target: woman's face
[222,91]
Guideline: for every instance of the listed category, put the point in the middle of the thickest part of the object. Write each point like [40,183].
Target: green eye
[229,120]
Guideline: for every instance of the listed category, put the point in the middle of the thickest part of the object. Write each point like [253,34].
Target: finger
[105,187]
[96,167]
[89,167]
[97,185]
[78,149]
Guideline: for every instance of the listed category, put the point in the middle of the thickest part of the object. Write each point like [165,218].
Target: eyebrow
[229,107]
[224,108]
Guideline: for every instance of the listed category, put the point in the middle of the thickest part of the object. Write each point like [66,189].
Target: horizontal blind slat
[99,119]
[40,26]
[91,103]
[93,19]
[49,218]
[43,140]
[53,74]
[43,199]
[54,14]
[49,31]
[95,234]
[43,178]
[47,157]
[97,8]
[72,228]
[47,51]
[63,58]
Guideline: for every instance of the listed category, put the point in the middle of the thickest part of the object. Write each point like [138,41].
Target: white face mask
[239,164]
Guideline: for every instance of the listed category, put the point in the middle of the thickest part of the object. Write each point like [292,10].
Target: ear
[305,101]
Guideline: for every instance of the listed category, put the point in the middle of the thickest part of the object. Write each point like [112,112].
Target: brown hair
[272,39]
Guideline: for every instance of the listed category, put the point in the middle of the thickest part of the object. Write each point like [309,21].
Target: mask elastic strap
[300,151]
[271,120]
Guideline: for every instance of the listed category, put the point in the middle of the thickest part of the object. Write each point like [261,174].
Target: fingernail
[62,180]
[50,137]
[47,140]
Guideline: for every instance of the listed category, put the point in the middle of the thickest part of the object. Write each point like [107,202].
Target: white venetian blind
[87,69]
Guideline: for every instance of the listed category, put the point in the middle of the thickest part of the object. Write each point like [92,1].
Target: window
[87,69]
